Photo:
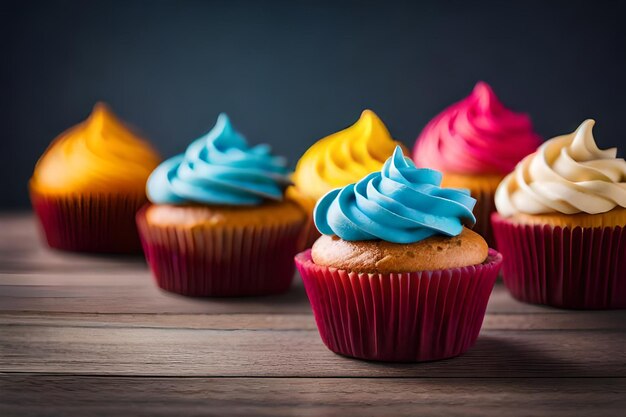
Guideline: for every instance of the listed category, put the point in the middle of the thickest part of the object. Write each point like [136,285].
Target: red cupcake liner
[404,317]
[578,268]
[230,261]
[89,223]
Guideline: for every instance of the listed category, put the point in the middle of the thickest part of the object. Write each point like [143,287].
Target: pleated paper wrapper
[228,261]
[89,223]
[577,268]
[404,317]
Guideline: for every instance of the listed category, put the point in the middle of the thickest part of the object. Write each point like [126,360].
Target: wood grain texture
[136,293]
[311,396]
[601,320]
[294,353]
[92,335]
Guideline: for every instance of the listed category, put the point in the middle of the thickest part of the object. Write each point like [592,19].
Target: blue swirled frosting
[220,168]
[400,204]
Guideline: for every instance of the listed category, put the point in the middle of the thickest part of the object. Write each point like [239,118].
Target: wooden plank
[22,249]
[600,320]
[125,291]
[243,321]
[135,297]
[44,261]
[295,353]
[18,225]
[57,395]
[138,294]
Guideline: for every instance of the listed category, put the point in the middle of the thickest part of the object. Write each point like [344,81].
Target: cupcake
[561,224]
[338,160]
[219,224]
[90,182]
[396,275]
[475,143]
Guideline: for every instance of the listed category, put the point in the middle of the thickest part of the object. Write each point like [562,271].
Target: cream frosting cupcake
[561,224]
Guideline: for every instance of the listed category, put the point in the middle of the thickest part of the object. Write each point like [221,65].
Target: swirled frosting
[476,136]
[220,168]
[400,204]
[344,157]
[568,174]
[99,155]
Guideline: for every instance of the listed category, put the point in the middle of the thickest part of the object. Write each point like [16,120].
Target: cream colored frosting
[568,174]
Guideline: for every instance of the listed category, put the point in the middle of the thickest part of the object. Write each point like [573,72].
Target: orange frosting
[99,155]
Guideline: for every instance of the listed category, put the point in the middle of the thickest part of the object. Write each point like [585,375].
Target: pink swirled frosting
[475,136]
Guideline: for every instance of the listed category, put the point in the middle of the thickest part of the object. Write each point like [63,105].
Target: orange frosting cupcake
[99,155]
[88,185]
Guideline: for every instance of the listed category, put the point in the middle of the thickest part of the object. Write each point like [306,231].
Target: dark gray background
[291,72]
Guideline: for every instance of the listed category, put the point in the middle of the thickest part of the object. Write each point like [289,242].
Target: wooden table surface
[92,335]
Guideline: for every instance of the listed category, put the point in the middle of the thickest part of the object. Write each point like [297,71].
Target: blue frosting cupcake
[399,204]
[397,275]
[219,224]
[395,220]
[220,168]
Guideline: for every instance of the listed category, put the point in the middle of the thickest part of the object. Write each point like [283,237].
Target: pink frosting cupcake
[475,143]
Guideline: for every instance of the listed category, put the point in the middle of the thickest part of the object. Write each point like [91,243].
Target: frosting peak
[99,155]
[584,147]
[345,156]
[486,99]
[568,174]
[400,204]
[220,168]
[476,136]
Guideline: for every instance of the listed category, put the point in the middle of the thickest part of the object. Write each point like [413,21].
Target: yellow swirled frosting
[99,155]
[344,157]
[568,174]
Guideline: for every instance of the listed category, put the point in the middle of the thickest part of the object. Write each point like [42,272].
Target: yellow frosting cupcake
[89,183]
[338,160]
